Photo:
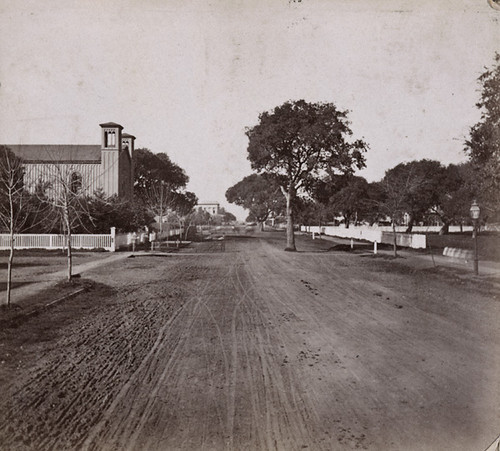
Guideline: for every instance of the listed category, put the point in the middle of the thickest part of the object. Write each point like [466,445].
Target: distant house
[107,167]
[210,207]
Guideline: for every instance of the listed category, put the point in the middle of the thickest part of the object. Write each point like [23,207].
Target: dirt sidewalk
[27,293]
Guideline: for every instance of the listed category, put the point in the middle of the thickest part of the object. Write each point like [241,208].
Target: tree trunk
[290,236]
[68,245]
[445,229]
[11,253]
[186,232]
[394,239]
[410,224]
[161,210]
[70,257]
[9,268]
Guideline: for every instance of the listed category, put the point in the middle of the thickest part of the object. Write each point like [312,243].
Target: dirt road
[257,349]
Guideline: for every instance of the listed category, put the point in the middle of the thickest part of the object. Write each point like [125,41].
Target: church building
[86,168]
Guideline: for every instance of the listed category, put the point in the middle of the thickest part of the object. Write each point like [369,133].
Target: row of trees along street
[305,161]
[61,204]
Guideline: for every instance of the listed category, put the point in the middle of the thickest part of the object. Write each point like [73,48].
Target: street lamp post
[474,214]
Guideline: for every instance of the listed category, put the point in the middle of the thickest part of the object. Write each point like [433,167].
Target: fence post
[375,248]
[113,239]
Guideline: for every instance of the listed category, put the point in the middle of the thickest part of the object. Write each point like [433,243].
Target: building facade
[210,207]
[84,168]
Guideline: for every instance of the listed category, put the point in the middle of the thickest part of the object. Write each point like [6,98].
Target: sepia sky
[187,76]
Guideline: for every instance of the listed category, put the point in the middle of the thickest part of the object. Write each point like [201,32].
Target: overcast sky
[186,77]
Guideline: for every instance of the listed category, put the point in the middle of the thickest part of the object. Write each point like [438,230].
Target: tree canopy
[151,168]
[259,194]
[299,143]
[160,184]
[105,212]
[454,195]
[413,188]
[352,201]
[483,145]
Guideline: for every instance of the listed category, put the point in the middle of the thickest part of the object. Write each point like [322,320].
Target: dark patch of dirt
[357,247]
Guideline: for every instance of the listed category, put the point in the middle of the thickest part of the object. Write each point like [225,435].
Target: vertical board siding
[109,172]
[52,173]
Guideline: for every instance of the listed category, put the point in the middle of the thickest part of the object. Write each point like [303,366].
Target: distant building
[210,207]
[107,167]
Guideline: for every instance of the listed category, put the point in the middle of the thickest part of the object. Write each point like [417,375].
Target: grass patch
[488,243]
[16,314]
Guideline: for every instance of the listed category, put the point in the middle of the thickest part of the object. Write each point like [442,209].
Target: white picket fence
[53,241]
[109,242]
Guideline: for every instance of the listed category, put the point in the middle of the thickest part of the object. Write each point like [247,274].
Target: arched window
[76,182]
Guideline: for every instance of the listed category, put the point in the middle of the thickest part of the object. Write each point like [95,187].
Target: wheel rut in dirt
[255,348]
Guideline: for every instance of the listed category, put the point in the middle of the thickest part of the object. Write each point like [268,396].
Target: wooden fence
[372,234]
[53,241]
[110,242]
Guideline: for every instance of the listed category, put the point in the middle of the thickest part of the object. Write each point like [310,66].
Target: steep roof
[57,153]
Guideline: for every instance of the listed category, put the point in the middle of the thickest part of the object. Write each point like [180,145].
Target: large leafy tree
[309,212]
[376,197]
[259,194]
[299,143]
[350,196]
[416,186]
[454,196]
[160,184]
[227,217]
[352,201]
[483,145]
[105,212]
[185,202]
[319,209]
[150,168]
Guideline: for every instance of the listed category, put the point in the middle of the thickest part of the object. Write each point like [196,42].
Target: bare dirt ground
[256,349]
